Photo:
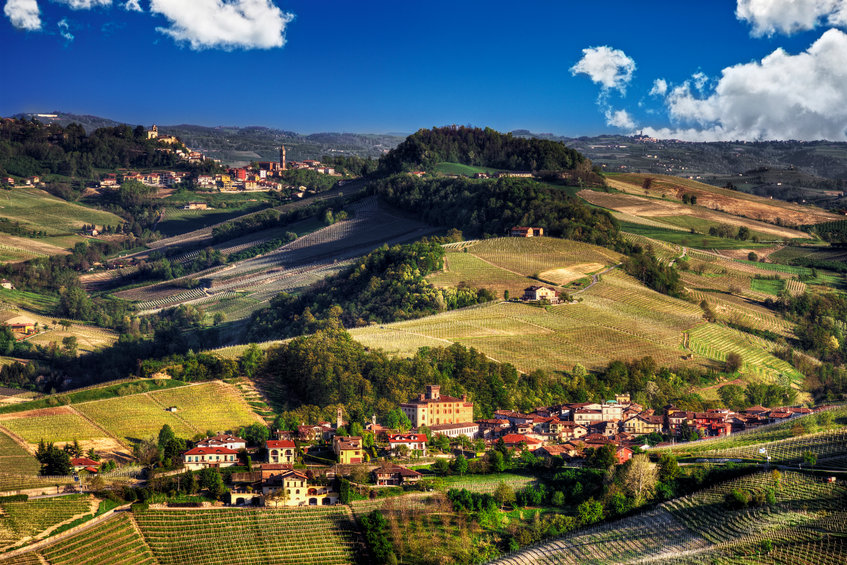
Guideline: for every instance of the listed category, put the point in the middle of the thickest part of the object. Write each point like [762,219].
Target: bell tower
[282,157]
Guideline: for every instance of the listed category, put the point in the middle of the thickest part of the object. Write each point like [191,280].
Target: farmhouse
[413,442]
[17,322]
[7,284]
[196,206]
[536,293]
[525,231]
[204,457]
[395,475]
[84,464]
[434,409]
[292,488]
[281,451]
[348,449]
[518,441]
[223,440]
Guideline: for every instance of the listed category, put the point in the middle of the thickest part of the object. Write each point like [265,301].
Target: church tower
[282,157]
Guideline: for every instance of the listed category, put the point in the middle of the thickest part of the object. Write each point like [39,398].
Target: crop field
[468,268]
[39,211]
[825,445]
[672,212]
[529,256]
[20,520]
[488,483]
[32,301]
[807,519]
[61,424]
[14,458]
[12,482]
[212,406]
[289,536]
[133,418]
[767,286]
[115,541]
[178,221]
[89,337]
[741,310]
[729,201]
[642,322]
[716,342]
[688,239]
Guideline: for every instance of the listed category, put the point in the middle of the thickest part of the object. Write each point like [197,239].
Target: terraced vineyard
[23,520]
[15,458]
[274,536]
[807,519]
[133,418]
[209,406]
[825,445]
[50,424]
[489,483]
[115,541]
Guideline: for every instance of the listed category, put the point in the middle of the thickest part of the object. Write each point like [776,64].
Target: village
[302,467]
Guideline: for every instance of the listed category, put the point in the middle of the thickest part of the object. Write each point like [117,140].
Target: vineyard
[133,418]
[115,541]
[22,520]
[15,458]
[806,519]
[60,424]
[281,536]
[488,483]
[209,406]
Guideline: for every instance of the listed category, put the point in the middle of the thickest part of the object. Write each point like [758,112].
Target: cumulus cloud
[610,68]
[619,119]
[783,96]
[24,14]
[132,6]
[224,24]
[84,4]
[660,87]
[65,29]
[790,16]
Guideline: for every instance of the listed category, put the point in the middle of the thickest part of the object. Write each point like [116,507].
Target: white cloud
[24,14]
[84,4]
[660,87]
[790,16]
[224,24]
[619,119]
[610,68]
[700,80]
[783,96]
[65,29]
[133,6]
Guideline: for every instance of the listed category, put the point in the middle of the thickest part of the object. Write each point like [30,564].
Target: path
[595,278]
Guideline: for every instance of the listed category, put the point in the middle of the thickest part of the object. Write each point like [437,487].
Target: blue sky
[377,66]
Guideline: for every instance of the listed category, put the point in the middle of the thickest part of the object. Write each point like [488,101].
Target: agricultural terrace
[290,536]
[729,201]
[13,457]
[61,220]
[676,215]
[805,519]
[617,318]
[115,541]
[488,483]
[25,519]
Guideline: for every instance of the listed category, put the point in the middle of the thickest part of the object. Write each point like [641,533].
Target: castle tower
[282,157]
[339,423]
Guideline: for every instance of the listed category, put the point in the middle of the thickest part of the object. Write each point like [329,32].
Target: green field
[446,168]
[688,239]
[768,286]
[19,520]
[179,221]
[32,301]
[702,225]
[115,541]
[52,424]
[37,210]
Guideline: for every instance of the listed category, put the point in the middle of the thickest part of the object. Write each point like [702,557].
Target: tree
[733,362]
[668,468]
[460,464]
[752,256]
[602,457]
[69,345]
[504,494]
[250,360]
[356,429]
[810,458]
[589,512]
[54,461]
[256,434]
[732,396]
[441,467]
[558,498]
[375,527]
[166,434]
[497,461]
[640,476]
[212,481]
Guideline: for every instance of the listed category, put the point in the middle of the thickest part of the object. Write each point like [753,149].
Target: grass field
[767,286]
[688,239]
[178,221]
[488,483]
[39,211]
[20,520]
[115,541]
[446,168]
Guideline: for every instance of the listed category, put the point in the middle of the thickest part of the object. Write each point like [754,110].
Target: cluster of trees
[270,219]
[756,394]
[354,165]
[28,147]
[15,228]
[480,147]
[386,285]
[654,273]
[729,232]
[492,207]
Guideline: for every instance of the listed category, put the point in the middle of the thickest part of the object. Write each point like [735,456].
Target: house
[196,206]
[348,449]
[281,451]
[623,454]
[513,174]
[587,416]
[417,173]
[517,441]
[85,464]
[470,430]
[644,424]
[309,433]
[522,231]
[18,323]
[204,457]
[536,293]
[565,451]
[206,181]
[291,488]
[493,428]
[395,475]
[433,408]
[7,284]
[413,442]
[223,440]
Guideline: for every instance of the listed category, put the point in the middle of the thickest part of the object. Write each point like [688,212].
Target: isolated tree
[460,464]
[255,434]
[589,512]
[752,256]
[250,360]
[668,468]
[504,494]
[640,476]
[733,362]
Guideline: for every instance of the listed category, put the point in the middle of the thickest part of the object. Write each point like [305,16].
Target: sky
[722,69]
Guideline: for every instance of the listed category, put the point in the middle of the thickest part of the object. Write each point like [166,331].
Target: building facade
[433,408]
